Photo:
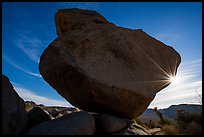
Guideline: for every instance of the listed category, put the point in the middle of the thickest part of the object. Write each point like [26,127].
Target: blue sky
[28,28]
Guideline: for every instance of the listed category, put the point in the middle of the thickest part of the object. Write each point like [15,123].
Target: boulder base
[76,123]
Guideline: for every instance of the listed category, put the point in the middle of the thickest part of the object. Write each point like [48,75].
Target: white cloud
[20,68]
[29,45]
[186,90]
[29,95]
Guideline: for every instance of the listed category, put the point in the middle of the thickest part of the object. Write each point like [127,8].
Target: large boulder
[77,123]
[100,67]
[14,116]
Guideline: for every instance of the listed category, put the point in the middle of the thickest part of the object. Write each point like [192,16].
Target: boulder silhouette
[14,116]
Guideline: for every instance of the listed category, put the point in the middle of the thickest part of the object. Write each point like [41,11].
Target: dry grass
[193,128]
[170,130]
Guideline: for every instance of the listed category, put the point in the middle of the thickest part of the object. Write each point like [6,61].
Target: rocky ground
[105,123]
[21,117]
[28,118]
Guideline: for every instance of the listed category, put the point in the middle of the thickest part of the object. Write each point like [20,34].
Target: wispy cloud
[169,36]
[18,67]
[186,90]
[31,46]
[29,95]
[81,5]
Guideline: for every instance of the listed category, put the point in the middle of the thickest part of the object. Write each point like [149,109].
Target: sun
[174,80]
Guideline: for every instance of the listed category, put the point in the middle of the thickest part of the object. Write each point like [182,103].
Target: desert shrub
[163,122]
[170,129]
[197,117]
[193,128]
[151,124]
[183,115]
[189,123]
[140,122]
[147,124]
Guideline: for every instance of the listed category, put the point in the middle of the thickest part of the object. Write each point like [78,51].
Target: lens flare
[174,80]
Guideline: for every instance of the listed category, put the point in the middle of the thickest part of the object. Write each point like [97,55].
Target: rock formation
[14,116]
[100,67]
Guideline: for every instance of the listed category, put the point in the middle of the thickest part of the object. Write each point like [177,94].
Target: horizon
[28,28]
[146,109]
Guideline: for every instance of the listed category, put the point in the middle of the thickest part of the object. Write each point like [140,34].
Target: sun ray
[139,82]
[169,68]
[175,66]
[160,68]
[162,86]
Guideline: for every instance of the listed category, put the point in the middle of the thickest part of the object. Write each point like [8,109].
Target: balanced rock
[100,67]
[77,123]
[14,116]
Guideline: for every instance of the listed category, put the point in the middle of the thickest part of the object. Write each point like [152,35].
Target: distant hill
[169,113]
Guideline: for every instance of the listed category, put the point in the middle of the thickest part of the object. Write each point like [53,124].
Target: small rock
[77,123]
[107,124]
[54,112]
[59,115]
[155,131]
[41,105]
[65,112]
[37,116]
[29,105]
[69,110]
[136,129]
[14,116]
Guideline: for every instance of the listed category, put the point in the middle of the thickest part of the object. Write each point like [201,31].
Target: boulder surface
[100,67]
[108,124]
[76,123]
